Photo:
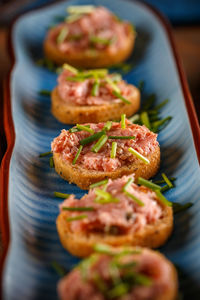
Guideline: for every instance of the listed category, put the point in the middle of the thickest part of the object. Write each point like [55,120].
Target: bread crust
[81,244]
[84,59]
[68,113]
[84,178]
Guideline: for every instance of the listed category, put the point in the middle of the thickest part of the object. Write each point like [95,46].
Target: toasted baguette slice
[81,245]
[67,113]
[84,178]
[89,59]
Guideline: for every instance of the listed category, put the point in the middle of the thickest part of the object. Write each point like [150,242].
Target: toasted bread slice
[88,58]
[84,178]
[81,245]
[68,113]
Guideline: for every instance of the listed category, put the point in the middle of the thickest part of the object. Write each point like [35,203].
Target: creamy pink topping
[67,144]
[80,93]
[148,263]
[100,23]
[121,217]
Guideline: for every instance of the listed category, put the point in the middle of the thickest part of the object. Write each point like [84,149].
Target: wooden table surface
[187,39]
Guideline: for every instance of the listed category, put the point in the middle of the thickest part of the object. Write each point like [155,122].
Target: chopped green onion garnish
[61,195]
[113,150]
[76,218]
[118,290]
[138,155]
[148,184]
[159,106]
[138,201]
[96,73]
[75,78]
[113,85]
[102,182]
[116,77]
[45,93]
[108,125]
[165,188]
[59,269]
[89,208]
[103,139]
[134,118]
[77,155]
[95,88]
[128,183]
[123,121]
[75,37]
[99,282]
[85,128]
[72,18]
[104,249]
[98,40]
[70,68]
[118,95]
[80,9]
[75,129]
[142,279]
[162,198]
[92,138]
[149,102]
[178,207]
[124,137]
[145,119]
[105,197]
[141,85]
[45,154]
[51,162]
[167,180]
[163,181]
[62,35]
[157,124]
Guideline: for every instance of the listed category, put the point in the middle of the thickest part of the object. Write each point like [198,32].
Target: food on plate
[90,37]
[121,274]
[115,212]
[92,96]
[88,153]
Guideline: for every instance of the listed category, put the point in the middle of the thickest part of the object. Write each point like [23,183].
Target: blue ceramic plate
[32,208]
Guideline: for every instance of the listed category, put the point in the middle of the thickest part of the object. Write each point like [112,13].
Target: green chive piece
[89,208]
[85,128]
[74,78]
[103,139]
[113,85]
[141,85]
[75,129]
[99,282]
[45,154]
[45,93]
[80,9]
[95,88]
[62,35]
[113,150]
[163,181]
[142,279]
[51,162]
[167,180]
[59,269]
[163,122]
[127,184]
[75,37]
[105,197]
[76,218]
[123,121]
[70,68]
[134,118]
[73,18]
[86,264]
[118,95]
[77,155]
[108,125]
[149,102]
[124,137]
[102,182]
[61,195]
[104,249]
[138,155]
[118,291]
[178,207]
[145,119]
[96,73]
[162,198]
[159,106]
[116,77]
[148,184]
[138,201]
[165,188]
[92,138]
[98,40]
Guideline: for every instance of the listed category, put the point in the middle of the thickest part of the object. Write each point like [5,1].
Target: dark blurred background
[184,15]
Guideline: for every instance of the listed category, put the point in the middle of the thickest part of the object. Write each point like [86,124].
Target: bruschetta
[88,153]
[90,37]
[92,96]
[121,274]
[117,213]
